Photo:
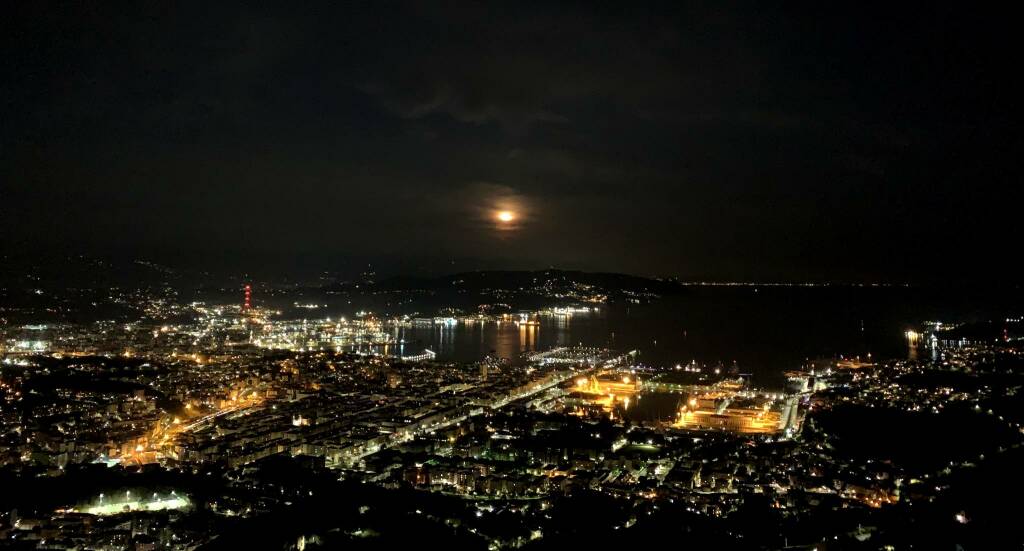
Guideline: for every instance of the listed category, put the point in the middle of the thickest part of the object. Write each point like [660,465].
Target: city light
[518,277]
[339,393]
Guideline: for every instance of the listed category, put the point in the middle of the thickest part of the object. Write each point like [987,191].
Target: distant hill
[80,271]
[550,283]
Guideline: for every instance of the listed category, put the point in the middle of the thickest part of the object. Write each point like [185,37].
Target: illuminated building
[712,411]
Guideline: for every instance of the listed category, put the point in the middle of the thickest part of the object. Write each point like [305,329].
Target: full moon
[506,216]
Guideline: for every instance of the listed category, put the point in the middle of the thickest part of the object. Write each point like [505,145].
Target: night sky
[734,141]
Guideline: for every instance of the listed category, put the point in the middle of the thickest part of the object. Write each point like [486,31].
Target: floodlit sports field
[113,508]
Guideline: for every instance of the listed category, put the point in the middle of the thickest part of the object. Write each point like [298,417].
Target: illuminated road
[199,422]
[165,432]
